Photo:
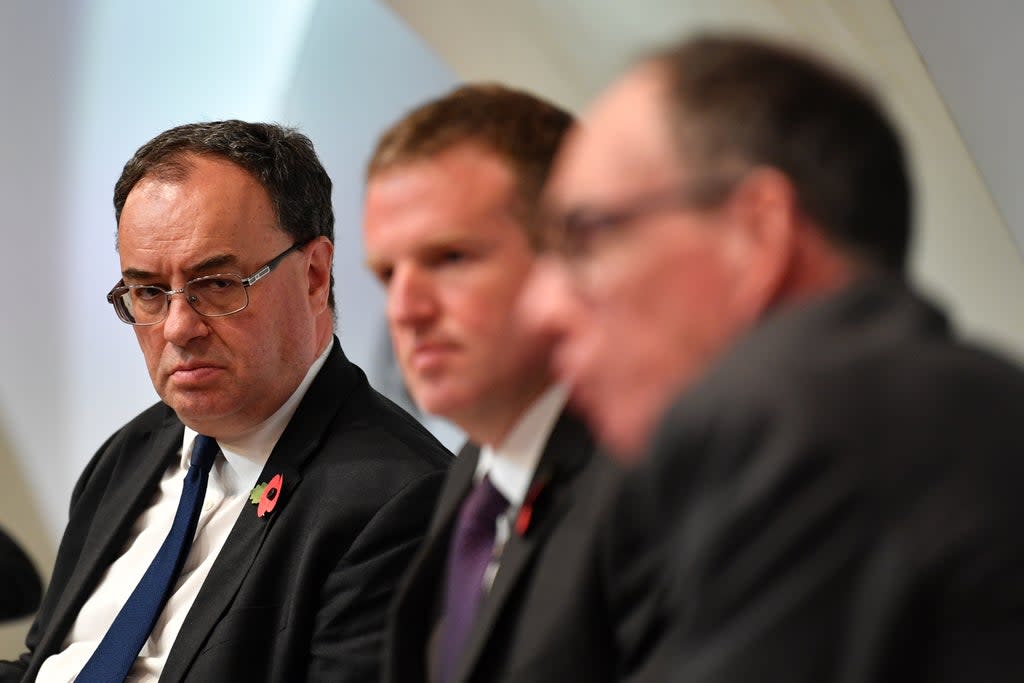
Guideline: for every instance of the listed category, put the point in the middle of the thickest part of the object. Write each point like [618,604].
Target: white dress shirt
[233,476]
[511,466]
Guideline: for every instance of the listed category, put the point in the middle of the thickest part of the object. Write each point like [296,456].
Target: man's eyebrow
[137,274]
[213,262]
[206,265]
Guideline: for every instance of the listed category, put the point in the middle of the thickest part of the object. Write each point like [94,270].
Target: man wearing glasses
[253,524]
[836,477]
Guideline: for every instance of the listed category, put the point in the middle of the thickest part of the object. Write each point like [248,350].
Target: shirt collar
[511,465]
[245,456]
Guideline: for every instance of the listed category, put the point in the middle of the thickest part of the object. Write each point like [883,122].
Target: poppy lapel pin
[266,495]
[525,514]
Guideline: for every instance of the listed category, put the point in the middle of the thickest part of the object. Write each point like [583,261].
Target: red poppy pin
[265,496]
[525,515]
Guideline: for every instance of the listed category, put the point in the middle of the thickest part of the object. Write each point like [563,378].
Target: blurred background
[85,82]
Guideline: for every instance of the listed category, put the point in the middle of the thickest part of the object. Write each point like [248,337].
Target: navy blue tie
[470,552]
[116,653]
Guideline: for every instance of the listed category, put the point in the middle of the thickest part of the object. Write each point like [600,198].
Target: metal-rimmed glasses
[212,296]
[572,235]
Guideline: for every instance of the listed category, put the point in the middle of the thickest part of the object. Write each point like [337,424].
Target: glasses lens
[145,305]
[216,295]
[579,230]
[120,298]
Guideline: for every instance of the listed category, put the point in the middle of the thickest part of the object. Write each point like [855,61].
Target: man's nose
[183,323]
[548,304]
[410,296]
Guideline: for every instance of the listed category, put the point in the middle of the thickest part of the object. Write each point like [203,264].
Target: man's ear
[764,219]
[321,254]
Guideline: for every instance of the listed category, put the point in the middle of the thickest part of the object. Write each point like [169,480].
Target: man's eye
[581,227]
[148,293]
[586,222]
[212,285]
[383,275]
[577,233]
[451,256]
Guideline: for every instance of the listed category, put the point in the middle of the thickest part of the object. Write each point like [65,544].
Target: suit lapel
[419,597]
[229,570]
[137,475]
[426,573]
[568,448]
[456,488]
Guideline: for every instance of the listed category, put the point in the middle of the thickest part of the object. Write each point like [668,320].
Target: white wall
[34,287]
[973,53]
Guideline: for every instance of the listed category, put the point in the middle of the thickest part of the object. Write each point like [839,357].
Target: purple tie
[470,552]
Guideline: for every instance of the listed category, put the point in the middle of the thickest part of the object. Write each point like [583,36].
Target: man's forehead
[623,142]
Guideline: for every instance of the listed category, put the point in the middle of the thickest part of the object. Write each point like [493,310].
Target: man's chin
[627,449]
[443,403]
[200,415]
[624,439]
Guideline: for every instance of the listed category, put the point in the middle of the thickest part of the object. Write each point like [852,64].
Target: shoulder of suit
[372,420]
[157,416]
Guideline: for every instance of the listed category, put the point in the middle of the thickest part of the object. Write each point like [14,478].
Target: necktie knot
[204,451]
[481,508]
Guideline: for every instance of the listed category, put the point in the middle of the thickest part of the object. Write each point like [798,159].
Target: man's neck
[493,427]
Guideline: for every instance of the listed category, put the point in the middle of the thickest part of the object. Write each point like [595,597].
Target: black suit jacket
[547,615]
[300,594]
[844,492]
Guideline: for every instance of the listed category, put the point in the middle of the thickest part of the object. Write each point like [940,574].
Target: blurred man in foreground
[838,476]
[507,585]
[252,526]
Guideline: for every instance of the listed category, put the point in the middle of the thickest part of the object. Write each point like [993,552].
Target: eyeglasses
[212,296]
[573,236]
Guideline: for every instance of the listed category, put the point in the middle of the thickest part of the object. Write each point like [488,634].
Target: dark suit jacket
[546,617]
[300,594]
[845,494]
[20,589]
